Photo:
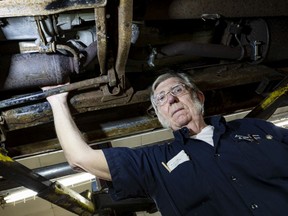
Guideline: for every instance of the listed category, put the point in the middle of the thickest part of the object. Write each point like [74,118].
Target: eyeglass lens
[176,90]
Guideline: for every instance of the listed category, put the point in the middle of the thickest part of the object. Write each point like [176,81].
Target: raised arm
[78,154]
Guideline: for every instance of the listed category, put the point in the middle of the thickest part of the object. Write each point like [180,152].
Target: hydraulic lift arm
[53,192]
[268,106]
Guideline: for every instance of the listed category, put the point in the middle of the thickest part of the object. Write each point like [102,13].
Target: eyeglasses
[177,90]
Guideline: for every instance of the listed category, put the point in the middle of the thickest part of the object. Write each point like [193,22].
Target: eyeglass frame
[170,92]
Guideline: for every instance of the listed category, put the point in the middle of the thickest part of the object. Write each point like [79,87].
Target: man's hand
[57,98]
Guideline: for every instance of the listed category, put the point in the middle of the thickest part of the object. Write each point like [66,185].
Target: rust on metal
[37,114]
[100,21]
[125,14]
[102,133]
[14,8]
[82,102]
[22,99]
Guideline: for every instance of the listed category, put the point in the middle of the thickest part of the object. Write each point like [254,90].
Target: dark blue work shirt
[245,173]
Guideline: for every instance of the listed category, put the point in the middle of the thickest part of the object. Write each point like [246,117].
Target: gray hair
[183,78]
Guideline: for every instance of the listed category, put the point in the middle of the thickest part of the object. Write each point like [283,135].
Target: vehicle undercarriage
[109,53]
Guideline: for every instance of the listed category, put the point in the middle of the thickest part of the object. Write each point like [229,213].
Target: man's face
[180,110]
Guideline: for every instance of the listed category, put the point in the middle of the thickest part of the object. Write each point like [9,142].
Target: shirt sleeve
[280,132]
[129,169]
[283,132]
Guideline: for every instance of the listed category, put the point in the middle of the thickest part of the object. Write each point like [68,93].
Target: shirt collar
[217,121]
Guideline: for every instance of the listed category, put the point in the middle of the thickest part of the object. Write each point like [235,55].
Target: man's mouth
[176,110]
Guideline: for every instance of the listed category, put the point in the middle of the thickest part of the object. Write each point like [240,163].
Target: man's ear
[201,97]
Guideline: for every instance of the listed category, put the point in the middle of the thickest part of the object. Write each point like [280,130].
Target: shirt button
[233,178]
[254,206]
[217,155]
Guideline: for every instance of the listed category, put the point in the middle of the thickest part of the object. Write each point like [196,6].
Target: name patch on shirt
[249,137]
[180,158]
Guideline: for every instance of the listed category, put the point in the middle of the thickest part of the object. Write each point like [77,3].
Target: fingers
[55,97]
[55,86]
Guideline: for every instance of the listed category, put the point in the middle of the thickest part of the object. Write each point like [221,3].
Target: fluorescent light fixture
[281,123]
[22,194]
[76,179]
[73,180]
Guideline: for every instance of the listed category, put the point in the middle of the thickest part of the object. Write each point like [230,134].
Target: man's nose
[171,98]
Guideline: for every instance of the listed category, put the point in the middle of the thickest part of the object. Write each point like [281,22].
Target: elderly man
[211,168]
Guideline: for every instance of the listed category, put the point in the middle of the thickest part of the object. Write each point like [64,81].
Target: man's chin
[181,120]
[179,125]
